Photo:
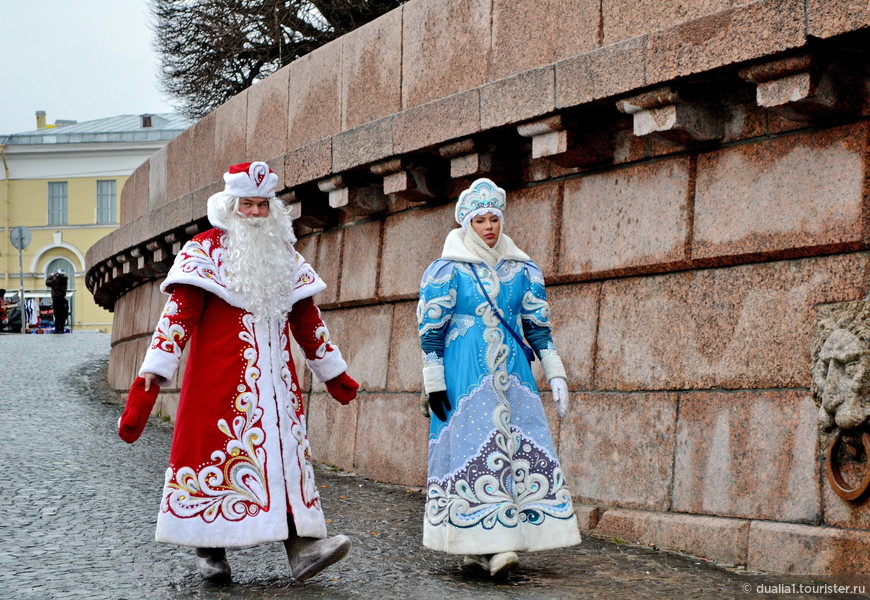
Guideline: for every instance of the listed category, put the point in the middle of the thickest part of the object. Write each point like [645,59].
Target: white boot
[481,560]
[213,564]
[494,563]
[502,562]
[309,556]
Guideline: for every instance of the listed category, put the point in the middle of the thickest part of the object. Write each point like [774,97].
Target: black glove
[439,404]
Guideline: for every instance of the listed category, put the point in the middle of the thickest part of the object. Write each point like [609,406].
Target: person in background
[240,470]
[3,318]
[57,283]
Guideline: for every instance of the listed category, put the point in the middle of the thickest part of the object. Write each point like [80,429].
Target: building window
[57,203]
[106,201]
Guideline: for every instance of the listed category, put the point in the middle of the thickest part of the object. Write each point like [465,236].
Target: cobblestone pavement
[80,508]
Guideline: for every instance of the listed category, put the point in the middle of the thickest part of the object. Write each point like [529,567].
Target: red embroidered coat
[240,458]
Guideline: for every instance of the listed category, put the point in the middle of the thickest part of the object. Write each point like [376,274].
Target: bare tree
[210,50]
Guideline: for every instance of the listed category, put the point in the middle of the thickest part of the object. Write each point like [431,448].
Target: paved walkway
[79,511]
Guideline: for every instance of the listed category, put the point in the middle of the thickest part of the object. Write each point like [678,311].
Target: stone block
[174,214]
[167,405]
[328,264]
[158,300]
[574,315]
[308,163]
[412,240]
[804,550]
[618,449]
[445,48]
[359,265]
[231,129]
[518,97]
[267,116]
[391,439]
[314,105]
[307,247]
[799,193]
[363,335]
[625,220]
[718,328]
[742,120]
[725,464]
[720,540]
[134,195]
[827,19]
[140,318]
[206,171]
[405,366]
[838,512]
[730,36]
[528,35]
[592,76]
[364,144]
[372,71]
[117,354]
[448,118]
[121,325]
[624,19]
[587,516]
[532,222]
[181,161]
[332,430]
[157,178]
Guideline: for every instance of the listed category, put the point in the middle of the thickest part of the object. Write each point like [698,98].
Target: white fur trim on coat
[329,367]
[433,379]
[161,363]
[454,249]
[553,367]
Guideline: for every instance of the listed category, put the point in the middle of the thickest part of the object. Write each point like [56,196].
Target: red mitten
[137,410]
[342,388]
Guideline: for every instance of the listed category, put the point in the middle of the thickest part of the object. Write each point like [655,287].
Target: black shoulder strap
[526,348]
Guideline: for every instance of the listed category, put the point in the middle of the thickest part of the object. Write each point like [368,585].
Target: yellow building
[61,182]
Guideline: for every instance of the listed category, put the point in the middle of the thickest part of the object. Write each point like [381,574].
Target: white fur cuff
[161,363]
[433,379]
[553,367]
[329,367]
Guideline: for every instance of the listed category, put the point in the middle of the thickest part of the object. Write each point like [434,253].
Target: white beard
[261,262]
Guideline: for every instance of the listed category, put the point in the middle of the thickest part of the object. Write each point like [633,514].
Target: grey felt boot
[309,556]
[213,564]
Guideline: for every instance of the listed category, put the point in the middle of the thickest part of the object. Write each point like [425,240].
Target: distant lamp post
[20,237]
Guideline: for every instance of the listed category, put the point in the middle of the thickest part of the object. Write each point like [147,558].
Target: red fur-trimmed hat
[250,180]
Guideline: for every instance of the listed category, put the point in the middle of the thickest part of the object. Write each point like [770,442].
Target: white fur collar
[454,249]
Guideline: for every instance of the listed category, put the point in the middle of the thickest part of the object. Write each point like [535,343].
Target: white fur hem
[553,367]
[161,363]
[329,367]
[433,379]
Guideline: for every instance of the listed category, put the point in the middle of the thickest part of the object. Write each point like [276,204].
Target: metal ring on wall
[835,475]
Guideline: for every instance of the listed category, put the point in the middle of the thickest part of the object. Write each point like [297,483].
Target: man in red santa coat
[240,471]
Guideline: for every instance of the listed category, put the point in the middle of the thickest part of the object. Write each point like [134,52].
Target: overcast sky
[77,60]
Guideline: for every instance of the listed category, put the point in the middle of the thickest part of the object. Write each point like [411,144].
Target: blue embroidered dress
[494,481]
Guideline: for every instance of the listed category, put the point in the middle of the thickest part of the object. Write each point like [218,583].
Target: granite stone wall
[692,180]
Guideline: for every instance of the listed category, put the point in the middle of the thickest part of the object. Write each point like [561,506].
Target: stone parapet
[311,121]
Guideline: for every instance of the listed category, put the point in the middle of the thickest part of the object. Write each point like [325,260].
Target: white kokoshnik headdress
[483,196]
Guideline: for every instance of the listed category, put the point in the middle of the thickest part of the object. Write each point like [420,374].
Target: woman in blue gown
[495,486]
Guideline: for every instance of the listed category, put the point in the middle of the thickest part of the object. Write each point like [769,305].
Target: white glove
[560,395]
